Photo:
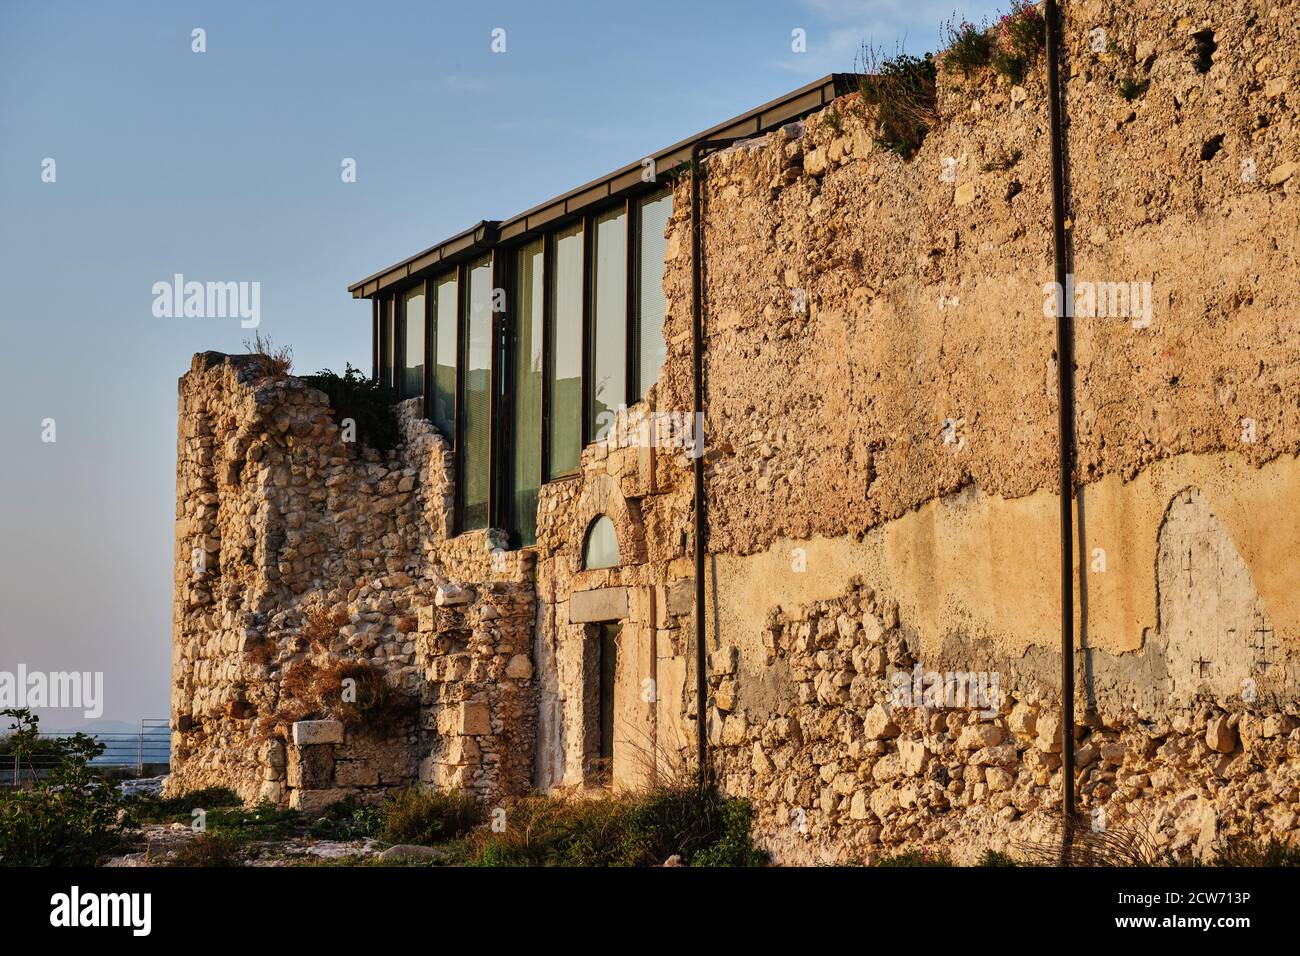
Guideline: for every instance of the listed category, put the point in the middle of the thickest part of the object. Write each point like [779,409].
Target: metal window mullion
[458,446]
[374,339]
[429,349]
[548,350]
[632,382]
[587,326]
[497,403]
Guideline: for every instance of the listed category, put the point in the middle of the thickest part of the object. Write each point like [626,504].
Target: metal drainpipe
[697,368]
[1065,412]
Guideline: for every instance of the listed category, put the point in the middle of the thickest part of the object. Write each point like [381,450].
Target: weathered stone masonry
[881,482]
[292,521]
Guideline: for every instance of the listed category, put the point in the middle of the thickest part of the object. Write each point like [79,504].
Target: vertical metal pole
[1065,411]
[697,371]
[139,750]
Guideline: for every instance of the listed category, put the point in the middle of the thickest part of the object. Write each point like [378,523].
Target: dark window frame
[463,293]
[504,258]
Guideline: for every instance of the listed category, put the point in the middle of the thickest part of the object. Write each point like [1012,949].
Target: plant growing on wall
[1019,39]
[270,362]
[968,47]
[367,402]
[901,88]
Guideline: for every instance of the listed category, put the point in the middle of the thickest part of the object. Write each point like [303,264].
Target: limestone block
[519,667]
[311,768]
[310,732]
[975,736]
[451,594]
[878,724]
[1219,736]
[472,718]
[355,773]
[598,604]
[314,801]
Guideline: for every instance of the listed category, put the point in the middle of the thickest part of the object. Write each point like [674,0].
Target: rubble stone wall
[880,457]
[294,549]
[882,421]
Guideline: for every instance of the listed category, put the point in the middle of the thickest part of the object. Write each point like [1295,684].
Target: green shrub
[366,401]
[1245,850]
[701,828]
[969,47]
[736,845]
[429,816]
[902,90]
[1020,38]
[994,858]
[265,821]
[1130,88]
[69,816]
[347,820]
[148,809]
[915,858]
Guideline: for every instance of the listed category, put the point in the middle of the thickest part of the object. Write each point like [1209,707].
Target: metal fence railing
[150,746]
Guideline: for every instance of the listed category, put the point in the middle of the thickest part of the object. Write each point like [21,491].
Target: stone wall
[880,456]
[882,421]
[296,549]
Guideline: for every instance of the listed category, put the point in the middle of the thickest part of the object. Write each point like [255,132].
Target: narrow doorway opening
[606,648]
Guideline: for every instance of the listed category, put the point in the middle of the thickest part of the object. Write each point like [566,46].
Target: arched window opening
[600,547]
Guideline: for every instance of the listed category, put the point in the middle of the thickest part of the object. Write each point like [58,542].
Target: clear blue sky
[225,165]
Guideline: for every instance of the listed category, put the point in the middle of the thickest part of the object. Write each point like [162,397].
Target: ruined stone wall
[880,451]
[882,448]
[297,549]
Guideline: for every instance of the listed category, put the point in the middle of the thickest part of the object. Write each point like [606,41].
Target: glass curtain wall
[476,398]
[564,364]
[526,391]
[445,317]
[608,322]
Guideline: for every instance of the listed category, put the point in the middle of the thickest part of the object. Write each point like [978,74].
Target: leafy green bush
[150,809]
[902,90]
[736,845]
[265,821]
[1246,850]
[702,828]
[429,816]
[994,858]
[347,820]
[1130,88]
[969,47]
[366,401]
[915,858]
[69,816]
[1020,37]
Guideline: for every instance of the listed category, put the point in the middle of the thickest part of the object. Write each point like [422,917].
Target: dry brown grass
[356,693]
[320,625]
[273,363]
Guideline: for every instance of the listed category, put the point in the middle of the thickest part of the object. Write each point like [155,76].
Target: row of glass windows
[582,334]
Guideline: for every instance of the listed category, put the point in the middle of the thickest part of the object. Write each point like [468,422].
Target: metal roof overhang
[486,234]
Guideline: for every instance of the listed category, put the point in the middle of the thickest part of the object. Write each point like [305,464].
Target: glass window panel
[653,214]
[413,342]
[600,550]
[445,311]
[609,321]
[476,395]
[386,341]
[526,395]
[565,371]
